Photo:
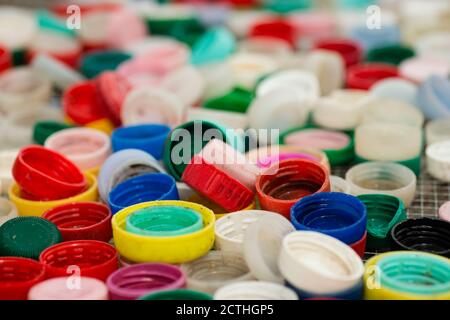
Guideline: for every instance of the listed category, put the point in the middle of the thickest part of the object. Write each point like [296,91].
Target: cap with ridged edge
[27,237]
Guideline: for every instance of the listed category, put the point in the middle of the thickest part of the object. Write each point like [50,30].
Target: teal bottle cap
[164,221]
[48,21]
[215,45]
[27,237]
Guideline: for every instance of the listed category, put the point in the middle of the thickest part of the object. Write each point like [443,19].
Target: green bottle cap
[178,152]
[383,213]
[44,129]
[97,62]
[392,54]
[238,100]
[27,237]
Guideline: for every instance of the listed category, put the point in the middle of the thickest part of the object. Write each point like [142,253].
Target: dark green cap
[97,62]
[27,237]
[44,129]
[392,54]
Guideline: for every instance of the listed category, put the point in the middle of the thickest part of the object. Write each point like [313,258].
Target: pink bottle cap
[69,288]
[318,139]
[119,37]
[444,211]
[419,69]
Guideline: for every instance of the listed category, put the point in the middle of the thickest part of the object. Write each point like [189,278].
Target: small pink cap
[69,288]
[444,211]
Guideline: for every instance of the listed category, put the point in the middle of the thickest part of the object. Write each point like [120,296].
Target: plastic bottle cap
[214,270]
[147,137]
[27,207]
[444,211]
[97,62]
[59,289]
[396,88]
[46,174]
[420,68]
[82,105]
[364,76]
[19,27]
[437,130]
[17,276]
[123,165]
[392,111]
[336,214]
[119,37]
[219,79]
[230,161]
[384,141]
[217,185]
[262,245]
[5,59]
[433,97]
[383,213]
[199,134]
[93,34]
[277,49]
[383,178]
[341,110]
[282,109]
[23,88]
[152,105]
[230,229]
[176,249]
[87,148]
[438,160]
[95,259]
[164,221]
[214,45]
[186,83]
[282,185]
[134,281]
[276,28]
[81,221]
[350,51]
[27,237]
[236,100]
[392,54]
[145,187]
[317,263]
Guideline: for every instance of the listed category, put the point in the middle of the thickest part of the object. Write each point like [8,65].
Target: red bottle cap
[349,50]
[216,185]
[87,258]
[283,184]
[82,105]
[5,59]
[113,89]
[17,276]
[82,221]
[47,175]
[275,28]
[360,246]
[364,76]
